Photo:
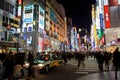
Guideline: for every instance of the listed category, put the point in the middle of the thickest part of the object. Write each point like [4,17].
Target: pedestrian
[116,61]
[64,56]
[107,58]
[100,60]
[17,72]
[81,58]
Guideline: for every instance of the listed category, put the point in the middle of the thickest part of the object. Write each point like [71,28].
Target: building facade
[9,25]
[44,25]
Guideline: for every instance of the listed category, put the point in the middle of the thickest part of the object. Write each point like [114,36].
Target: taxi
[45,61]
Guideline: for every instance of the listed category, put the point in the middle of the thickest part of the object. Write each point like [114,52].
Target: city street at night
[59,39]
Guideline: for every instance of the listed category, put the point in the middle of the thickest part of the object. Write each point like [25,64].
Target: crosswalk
[91,66]
[86,71]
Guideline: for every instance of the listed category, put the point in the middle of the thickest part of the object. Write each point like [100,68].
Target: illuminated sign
[19,8]
[19,11]
[101,22]
[105,2]
[41,19]
[113,2]
[28,18]
[107,16]
[19,1]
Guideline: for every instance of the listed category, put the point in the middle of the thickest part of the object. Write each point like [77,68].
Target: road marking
[86,71]
[82,72]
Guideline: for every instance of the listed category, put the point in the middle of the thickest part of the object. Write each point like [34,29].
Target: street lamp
[82,30]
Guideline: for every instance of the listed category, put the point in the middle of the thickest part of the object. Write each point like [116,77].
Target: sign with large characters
[28,18]
[19,8]
[41,19]
[106,14]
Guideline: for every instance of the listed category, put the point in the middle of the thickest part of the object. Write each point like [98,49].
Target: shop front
[6,47]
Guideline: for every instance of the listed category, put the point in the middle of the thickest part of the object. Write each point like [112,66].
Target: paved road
[90,66]
[71,72]
[100,76]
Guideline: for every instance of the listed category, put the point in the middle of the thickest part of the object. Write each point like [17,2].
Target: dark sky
[79,11]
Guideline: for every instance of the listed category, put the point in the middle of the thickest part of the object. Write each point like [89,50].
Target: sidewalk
[100,76]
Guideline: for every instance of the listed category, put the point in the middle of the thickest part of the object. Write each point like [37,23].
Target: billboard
[107,16]
[41,19]
[115,17]
[28,18]
[113,2]
[19,8]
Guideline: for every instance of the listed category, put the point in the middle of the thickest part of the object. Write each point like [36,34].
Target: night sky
[79,11]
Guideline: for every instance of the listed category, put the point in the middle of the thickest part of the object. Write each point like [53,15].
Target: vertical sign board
[28,17]
[106,14]
[101,21]
[19,8]
[41,19]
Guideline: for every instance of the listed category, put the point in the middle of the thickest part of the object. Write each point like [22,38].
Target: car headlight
[40,65]
[26,65]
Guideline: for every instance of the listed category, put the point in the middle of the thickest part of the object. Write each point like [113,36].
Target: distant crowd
[12,62]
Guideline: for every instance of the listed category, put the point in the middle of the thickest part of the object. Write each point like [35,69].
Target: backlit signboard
[107,16]
[41,19]
[101,22]
[28,18]
[19,8]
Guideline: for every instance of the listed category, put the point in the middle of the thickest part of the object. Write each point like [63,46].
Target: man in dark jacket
[116,61]
[100,60]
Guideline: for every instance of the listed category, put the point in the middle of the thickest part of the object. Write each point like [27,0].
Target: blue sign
[41,22]
[101,22]
[29,6]
[25,29]
[30,29]
[24,37]
[70,47]
[28,20]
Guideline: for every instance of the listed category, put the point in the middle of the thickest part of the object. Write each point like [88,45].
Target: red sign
[113,2]
[107,16]
[19,1]
[103,39]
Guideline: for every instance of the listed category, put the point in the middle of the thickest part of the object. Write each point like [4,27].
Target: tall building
[9,25]
[44,25]
[33,28]
[55,25]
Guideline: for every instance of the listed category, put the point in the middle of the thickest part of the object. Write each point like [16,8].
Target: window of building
[1,4]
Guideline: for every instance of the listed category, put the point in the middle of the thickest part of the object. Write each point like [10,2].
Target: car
[45,61]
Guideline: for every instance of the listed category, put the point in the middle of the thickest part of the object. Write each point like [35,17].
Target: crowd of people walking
[13,63]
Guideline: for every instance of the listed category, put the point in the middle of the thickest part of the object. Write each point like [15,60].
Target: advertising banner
[19,8]
[107,16]
[113,2]
[115,16]
[28,18]
[41,19]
